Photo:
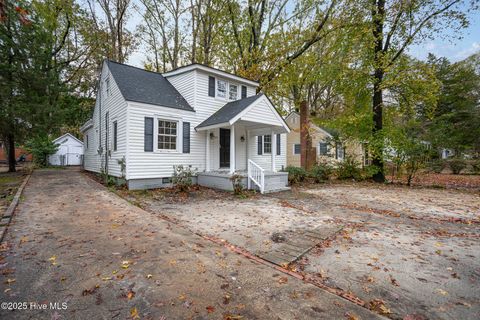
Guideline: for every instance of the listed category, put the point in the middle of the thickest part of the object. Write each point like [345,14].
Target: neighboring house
[322,140]
[69,152]
[144,123]
[447,153]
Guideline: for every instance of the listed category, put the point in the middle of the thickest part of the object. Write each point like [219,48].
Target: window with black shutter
[148,135]
[211,86]
[186,137]
[244,92]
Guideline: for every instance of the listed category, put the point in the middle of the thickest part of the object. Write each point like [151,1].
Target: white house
[144,123]
[69,152]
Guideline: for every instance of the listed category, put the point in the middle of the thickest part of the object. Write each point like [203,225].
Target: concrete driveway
[93,255]
[409,253]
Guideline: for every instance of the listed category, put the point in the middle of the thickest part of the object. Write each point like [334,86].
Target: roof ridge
[130,66]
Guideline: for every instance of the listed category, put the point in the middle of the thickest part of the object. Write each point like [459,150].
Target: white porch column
[232,148]
[207,152]
[274,150]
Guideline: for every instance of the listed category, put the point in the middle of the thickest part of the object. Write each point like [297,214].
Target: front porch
[220,179]
[245,137]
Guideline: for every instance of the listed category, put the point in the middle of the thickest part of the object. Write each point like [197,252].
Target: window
[323,148]
[107,85]
[296,148]
[114,135]
[267,144]
[221,89]
[244,92]
[340,151]
[167,135]
[166,180]
[233,92]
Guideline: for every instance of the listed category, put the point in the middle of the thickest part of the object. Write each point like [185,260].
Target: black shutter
[115,136]
[186,137]
[211,86]
[278,144]
[259,145]
[148,137]
[244,92]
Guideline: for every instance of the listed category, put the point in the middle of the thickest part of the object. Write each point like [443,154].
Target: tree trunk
[377,160]
[378,20]
[11,152]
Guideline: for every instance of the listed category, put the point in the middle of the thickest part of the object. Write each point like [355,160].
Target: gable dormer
[205,86]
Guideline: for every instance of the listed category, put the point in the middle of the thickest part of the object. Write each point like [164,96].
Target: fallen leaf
[283,280]
[134,313]
[8,281]
[442,292]
[351,316]
[149,276]
[130,294]
[210,309]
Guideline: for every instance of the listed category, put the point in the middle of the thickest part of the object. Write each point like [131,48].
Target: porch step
[278,190]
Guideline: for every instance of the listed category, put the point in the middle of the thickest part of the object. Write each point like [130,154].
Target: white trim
[219,73]
[252,105]
[213,126]
[313,125]
[87,125]
[178,143]
[69,135]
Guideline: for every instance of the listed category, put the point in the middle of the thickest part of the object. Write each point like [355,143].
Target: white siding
[185,85]
[265,160]
[115,105]
[159,164]
[262,113]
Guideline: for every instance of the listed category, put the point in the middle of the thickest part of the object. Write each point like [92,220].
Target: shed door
[74,156]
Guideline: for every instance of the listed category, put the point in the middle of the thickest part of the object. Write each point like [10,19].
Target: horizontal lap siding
[91,161]
[117,107]
[265,160]
[262,113]
[157,164]
[115,104]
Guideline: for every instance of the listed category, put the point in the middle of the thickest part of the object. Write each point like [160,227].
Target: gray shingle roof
[145,86]
[229,111]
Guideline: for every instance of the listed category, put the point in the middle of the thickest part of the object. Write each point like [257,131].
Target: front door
[224,148]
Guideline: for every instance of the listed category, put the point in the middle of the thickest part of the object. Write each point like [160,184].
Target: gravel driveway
[405,252]
[77,247]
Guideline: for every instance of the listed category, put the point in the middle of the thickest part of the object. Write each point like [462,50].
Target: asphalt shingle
[144,86]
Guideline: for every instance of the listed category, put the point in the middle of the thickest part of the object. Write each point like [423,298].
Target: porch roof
[228,111]
[237,110]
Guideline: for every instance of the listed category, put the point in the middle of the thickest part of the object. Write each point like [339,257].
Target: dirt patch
[402,252]
[9,183]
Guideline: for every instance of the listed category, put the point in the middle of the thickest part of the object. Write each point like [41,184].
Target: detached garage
[69,153]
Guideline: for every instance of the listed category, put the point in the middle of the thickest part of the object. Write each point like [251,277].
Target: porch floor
[220,179]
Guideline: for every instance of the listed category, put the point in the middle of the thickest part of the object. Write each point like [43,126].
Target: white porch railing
[256,174]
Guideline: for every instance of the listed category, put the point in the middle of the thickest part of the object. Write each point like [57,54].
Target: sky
[453,49]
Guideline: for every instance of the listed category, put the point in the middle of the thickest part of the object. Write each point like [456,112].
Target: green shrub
[457,165]
[321,172]
[41,147]
[436,166]
[296,174]
[476,167]
[182,177]
[369,171]
[349,168]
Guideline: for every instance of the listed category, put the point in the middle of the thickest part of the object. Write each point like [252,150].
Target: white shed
[69,153]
